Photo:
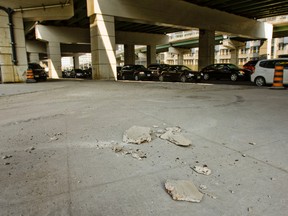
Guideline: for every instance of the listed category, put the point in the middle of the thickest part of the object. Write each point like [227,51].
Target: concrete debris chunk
[203,187]
[137,135]
[6,157]
[54,138]
[138,154]
[30,149]
[177,139]
[173,129]
[210,195]
[183,190]
[252,143]
[117,148]
[202,169]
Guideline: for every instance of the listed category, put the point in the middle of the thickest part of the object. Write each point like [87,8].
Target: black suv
[157,69]
[136,72]
[39,73]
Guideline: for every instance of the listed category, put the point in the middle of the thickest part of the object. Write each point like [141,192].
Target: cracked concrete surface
[60,136]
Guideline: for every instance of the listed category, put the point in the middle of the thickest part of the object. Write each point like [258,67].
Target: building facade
[250,50]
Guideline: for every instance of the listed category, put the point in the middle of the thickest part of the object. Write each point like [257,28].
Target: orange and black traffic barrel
[30,76]
[278,77]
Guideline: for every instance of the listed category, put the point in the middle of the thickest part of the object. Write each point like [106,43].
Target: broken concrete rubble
[202,169]
[177,139]
[203,187]
[137,135]
[6,157]
[173,129]
[30,149]
[183,190]
[138,154]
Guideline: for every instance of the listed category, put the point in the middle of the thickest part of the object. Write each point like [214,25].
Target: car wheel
[206,76]
[233,77]
[183,78]
[136,77]
[161,78]
[260,81]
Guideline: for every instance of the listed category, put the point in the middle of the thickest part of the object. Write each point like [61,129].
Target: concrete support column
[265,49]
[76,61]
[102,36]
[34,57]
[275,48]
[234,56]
[11,72]
[54,59]
[206,48]
[129,54]
[151,54]
[180,58]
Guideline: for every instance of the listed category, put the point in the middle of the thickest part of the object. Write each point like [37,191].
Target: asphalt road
[57,142]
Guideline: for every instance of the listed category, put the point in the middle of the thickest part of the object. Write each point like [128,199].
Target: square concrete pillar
[11,72]
[234,56]
[151,54]
[206,48]
[54,59]
[76,61]
[129,54]
[103,47]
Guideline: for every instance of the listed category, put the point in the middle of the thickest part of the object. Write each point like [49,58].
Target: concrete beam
[189,16]
[137,38]
[34,46]
[39,11]
[178,50]
[75,48]
[62,34]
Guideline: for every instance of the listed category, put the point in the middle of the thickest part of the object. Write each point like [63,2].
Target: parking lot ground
[58,153]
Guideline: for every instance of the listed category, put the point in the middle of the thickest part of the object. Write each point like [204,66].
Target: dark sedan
[225,71]
[179,73]
[157,69]
[136,72]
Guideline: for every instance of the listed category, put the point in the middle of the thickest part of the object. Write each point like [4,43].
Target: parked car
[225,71]
[157,69]
[179,73]
[250,65]
[39,73]
[88,73]
[68,74]
[264,71]
[137,72]
[79,73]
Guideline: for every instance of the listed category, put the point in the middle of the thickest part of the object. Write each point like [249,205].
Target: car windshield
[232,66]
[185,68]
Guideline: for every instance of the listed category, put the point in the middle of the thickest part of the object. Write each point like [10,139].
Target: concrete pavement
[60,136]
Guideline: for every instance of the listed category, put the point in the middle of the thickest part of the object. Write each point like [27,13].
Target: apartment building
[250,50]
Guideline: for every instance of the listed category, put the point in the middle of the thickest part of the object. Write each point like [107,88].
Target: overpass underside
[102,34]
